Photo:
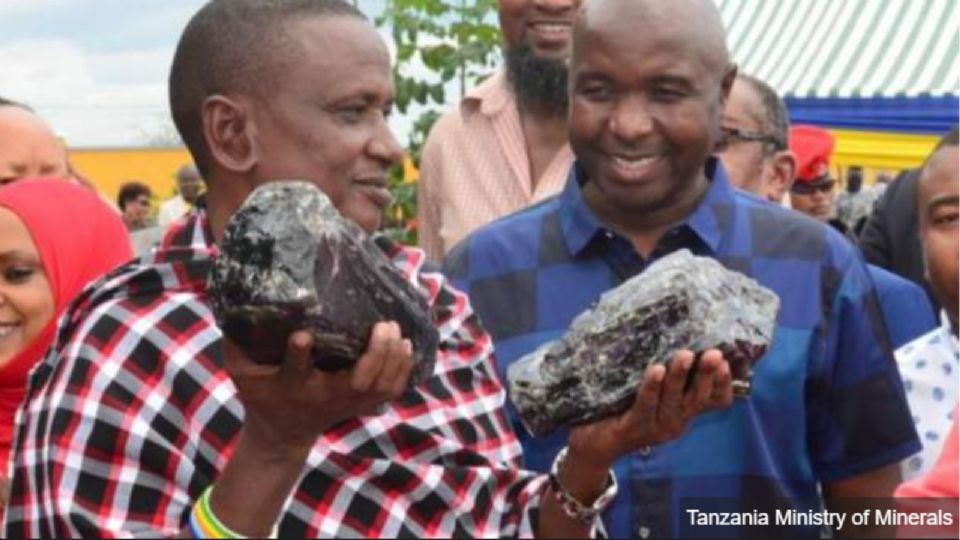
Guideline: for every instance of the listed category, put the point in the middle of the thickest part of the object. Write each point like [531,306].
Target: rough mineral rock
[679,302]
[289,261]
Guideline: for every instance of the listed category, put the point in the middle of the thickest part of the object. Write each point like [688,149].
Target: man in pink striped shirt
[504,146]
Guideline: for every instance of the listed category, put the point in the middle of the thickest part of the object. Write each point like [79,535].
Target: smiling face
[645,106]
[326,120]
[26,300]
[545,26]
[938,209]
[28,149]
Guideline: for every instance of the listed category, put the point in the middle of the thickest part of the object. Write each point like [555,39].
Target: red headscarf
[79,238]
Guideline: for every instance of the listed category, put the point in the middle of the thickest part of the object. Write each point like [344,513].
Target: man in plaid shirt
[143,421]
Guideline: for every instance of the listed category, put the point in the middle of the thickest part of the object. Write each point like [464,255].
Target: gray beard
[540,84]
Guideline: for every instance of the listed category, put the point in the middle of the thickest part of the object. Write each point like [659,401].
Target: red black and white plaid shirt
[131,415]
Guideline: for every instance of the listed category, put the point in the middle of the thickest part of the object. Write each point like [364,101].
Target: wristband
[205,524]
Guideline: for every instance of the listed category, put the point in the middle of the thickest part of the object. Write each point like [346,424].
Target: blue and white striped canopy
[847,48]
[885,65]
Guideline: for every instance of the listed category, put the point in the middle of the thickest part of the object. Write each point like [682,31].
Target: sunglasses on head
[804,188]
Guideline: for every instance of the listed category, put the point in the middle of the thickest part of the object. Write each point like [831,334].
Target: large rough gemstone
[680,302]
[290,261]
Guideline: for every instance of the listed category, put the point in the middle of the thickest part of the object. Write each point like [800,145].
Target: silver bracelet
[573,508]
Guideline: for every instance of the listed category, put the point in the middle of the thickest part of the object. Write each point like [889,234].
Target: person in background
[28,147]
[134,201]
[812,193]
[55,238]
[189,188]
[890,238]
[754,146]
[814,190]
[504,146]
[930,365]
[857,201]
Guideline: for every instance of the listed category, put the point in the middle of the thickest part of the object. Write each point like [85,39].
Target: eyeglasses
[807,188]
[731,135]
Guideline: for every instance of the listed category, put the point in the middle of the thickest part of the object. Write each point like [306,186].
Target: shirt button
[644,532]
[645,451]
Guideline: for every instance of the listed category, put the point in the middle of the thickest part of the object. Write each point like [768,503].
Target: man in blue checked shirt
[827,418]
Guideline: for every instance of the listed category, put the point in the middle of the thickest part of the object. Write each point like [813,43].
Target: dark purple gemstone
[289,261]
[679,302]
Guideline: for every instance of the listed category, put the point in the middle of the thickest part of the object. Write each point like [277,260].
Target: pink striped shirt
[475,168]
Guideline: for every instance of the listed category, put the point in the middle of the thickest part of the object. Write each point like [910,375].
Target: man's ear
[228,129]
[726,85]
[784,169]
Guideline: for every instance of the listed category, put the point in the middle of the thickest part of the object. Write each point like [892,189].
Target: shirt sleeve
[108,444]
[858,415]
[429,199]
[897,297]
[466,352]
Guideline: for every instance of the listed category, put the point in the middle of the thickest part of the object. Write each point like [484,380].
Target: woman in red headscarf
[55,237]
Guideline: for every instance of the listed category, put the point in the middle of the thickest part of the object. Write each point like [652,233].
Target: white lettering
[796,518]
[727,519]
[899,519]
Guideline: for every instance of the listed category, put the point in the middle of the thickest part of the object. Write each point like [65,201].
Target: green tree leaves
[457,42]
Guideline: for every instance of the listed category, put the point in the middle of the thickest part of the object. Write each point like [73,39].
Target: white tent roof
[847,48]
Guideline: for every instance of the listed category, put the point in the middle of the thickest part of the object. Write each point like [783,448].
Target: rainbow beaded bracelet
[205,524]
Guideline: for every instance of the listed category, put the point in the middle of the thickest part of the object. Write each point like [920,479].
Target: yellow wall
[876,151]
[108,169]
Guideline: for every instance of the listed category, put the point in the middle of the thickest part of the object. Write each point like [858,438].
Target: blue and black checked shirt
[827,401]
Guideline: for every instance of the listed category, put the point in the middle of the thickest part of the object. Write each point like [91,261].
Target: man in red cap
[813,192]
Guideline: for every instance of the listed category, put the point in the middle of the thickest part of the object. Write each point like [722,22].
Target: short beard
[540,84]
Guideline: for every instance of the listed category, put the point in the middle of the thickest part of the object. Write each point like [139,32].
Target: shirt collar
[581,225]
[490,96]
[188,238]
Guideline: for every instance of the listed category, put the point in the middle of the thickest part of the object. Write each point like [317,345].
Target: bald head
[28,147]
[649,80]
[696,24]
[189,183]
